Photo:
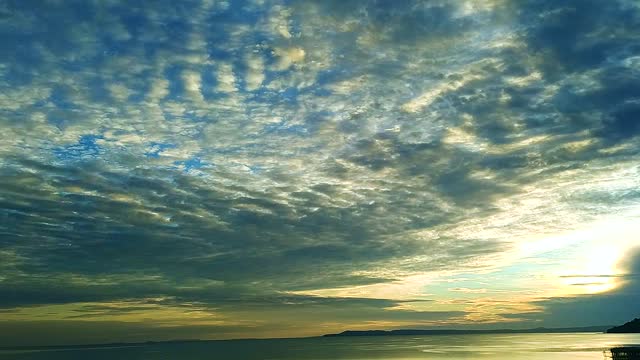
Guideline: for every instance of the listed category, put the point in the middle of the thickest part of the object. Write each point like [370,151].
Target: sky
[275,168]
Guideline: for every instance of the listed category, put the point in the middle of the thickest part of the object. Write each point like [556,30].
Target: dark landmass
[623,353]
[465,332]
[632,326]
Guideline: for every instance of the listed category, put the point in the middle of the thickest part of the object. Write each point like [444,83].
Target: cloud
[294,156]
[255,76]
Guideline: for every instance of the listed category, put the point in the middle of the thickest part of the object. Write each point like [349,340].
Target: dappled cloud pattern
[220,169]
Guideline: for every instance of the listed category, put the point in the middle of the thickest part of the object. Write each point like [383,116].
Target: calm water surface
[507,346]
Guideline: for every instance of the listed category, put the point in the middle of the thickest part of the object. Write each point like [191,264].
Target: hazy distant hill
[632,326]
[460,332]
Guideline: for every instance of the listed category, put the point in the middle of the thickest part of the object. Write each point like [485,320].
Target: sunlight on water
[507,346]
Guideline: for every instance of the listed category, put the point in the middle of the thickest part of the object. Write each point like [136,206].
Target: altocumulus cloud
[270,168]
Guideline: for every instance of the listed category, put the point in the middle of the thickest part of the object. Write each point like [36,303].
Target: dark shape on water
[632,326]
[623,353]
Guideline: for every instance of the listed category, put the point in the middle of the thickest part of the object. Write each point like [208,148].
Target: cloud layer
[265,168]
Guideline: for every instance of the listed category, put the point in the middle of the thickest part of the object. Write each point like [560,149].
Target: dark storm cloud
[568,32]
[94,233]
[570,38]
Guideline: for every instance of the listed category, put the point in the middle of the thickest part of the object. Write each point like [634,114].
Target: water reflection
[623,353]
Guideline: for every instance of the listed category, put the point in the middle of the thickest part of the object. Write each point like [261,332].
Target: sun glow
[596,266]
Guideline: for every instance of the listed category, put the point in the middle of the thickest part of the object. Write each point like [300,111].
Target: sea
[564,346]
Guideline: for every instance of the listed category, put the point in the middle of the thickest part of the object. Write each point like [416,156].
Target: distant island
[465,332]
[632,326]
